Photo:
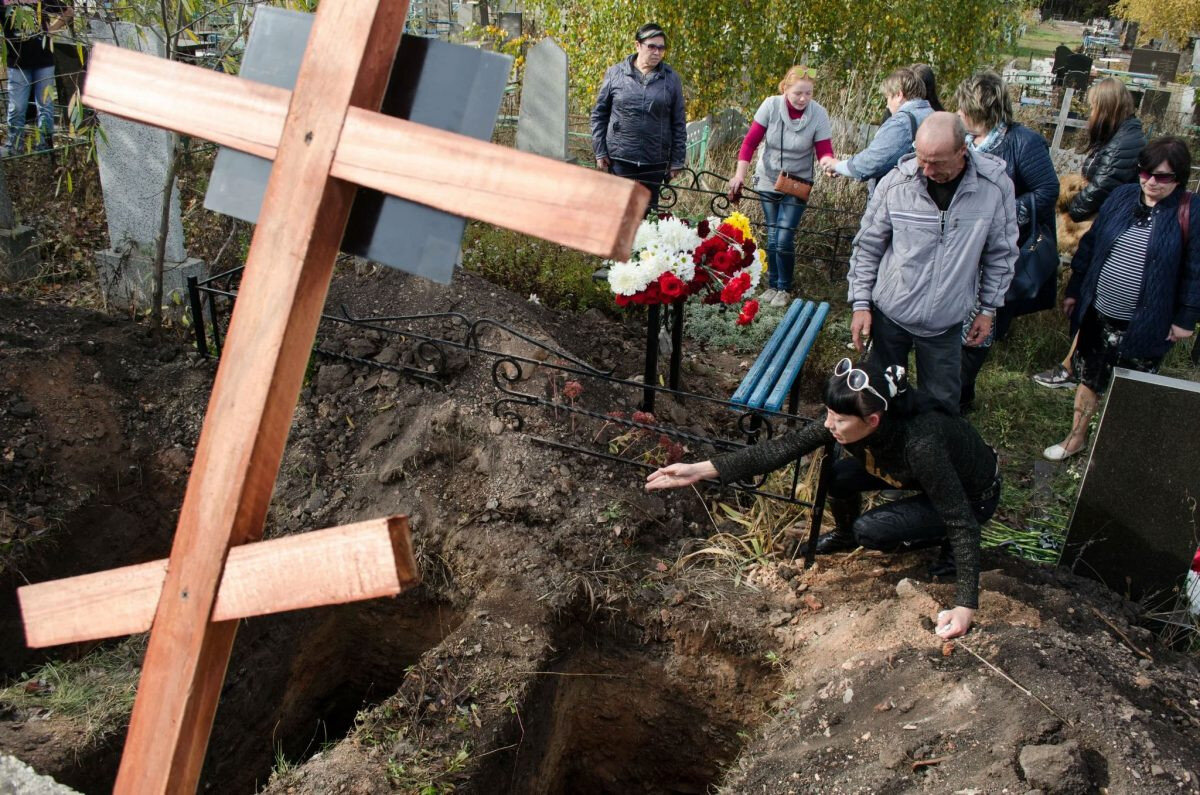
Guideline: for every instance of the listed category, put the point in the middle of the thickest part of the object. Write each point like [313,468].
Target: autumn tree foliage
[733,52]
[1173,19]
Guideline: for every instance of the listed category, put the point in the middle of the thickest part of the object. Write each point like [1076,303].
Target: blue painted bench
[775,373]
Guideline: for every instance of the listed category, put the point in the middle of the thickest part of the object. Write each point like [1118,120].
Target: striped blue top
[1120,283]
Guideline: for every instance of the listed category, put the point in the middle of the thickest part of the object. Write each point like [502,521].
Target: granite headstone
[542,125]
[1163,64]
[447,86]
[133,160]
[1136,525]
[19,257]
[510,22]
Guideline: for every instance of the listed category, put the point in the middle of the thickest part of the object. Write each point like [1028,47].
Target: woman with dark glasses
[639,129]
[1135,281]
[894,438]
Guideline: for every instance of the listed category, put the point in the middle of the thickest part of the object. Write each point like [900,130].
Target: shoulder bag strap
[1185,211]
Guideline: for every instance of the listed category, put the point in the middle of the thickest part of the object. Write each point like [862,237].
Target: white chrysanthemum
[625,278]
[676,235]
[683,266]
[647,233]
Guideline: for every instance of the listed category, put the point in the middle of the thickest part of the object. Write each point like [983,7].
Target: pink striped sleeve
[751,141]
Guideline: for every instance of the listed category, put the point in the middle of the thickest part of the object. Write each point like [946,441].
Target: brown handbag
[785,182]
[793,186]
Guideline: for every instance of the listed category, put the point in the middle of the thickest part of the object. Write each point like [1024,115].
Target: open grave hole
[297,682]
[614,715]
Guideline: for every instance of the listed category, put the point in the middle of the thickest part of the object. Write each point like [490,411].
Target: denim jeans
[783,214]
[40,81]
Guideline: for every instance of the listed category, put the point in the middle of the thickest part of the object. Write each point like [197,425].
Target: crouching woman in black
[894,438]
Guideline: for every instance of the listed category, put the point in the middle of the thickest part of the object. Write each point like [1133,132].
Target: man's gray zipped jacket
[924,269]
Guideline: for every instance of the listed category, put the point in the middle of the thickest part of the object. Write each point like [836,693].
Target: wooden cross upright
[325,139]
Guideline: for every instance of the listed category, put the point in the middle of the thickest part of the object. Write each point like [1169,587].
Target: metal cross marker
[325,139]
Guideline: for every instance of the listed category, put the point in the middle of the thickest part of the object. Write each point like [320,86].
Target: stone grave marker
[542,124]
[510,22]
[133,160]
[19,257]
[1136,522]
[386,229]
[1165,65]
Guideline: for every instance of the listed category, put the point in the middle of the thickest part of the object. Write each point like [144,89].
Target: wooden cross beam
[340,564]
[324,138]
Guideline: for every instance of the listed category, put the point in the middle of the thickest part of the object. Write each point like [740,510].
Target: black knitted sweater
[941,455]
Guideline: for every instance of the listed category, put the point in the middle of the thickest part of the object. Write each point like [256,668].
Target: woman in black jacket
[1115,138]
[986,111]
[894,438]
[639,129]
[1135,281]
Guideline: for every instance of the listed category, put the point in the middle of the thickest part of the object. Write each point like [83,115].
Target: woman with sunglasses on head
[892,438]
[639,129]
[1135,281]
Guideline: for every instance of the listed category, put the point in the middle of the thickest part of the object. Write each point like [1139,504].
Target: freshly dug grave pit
[297,682]
[615,715]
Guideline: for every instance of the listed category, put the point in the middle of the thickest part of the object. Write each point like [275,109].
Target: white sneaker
[766,295]
[781,298]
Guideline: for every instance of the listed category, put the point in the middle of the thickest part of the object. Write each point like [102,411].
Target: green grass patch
[561,278]
[96,692]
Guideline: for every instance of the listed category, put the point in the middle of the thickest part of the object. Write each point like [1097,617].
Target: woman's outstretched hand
[676,476]
[954,623]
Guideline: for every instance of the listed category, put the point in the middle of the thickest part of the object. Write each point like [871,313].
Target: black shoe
[837,541]
[943,567]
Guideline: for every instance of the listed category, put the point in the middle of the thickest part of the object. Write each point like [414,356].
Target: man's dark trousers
[938,357]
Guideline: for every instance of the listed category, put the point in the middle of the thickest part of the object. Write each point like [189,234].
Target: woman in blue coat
[1135,281]
[639,129]
[986,111]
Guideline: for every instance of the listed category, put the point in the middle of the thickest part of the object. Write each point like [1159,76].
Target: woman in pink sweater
[795,132]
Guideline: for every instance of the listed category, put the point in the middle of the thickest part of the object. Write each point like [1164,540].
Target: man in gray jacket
[938,241]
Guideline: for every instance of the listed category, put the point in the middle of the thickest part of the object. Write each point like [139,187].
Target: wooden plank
[217,107]
[563,203]
[349,55]
[535,195]
[332,566]
[1063,116]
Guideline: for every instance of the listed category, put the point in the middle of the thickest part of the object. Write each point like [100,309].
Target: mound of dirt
[562,641]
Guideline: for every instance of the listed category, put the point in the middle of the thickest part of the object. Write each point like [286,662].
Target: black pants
[909,523]
[937,357]
[652,175]
[974,357]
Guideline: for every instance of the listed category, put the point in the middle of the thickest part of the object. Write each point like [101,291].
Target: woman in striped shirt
[1135,282]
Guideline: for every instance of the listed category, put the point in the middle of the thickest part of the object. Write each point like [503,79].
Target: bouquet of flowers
[673,260]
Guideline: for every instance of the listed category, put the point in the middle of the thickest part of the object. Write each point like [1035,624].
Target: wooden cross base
[325,138]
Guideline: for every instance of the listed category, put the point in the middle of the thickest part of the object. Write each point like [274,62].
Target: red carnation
[671,286]
[712,298]
[702,229]
[644,417]
[735,288]
[749,310]
[623,300]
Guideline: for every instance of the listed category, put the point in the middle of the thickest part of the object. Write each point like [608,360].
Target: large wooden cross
[325,139]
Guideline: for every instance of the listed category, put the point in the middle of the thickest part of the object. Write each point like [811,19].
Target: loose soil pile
[559,642]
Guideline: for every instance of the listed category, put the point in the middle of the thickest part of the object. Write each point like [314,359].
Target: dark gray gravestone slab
[542,125]
[1136,524]
[441,85]
[1155,62]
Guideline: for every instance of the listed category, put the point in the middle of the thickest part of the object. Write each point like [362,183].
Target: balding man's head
[941,146]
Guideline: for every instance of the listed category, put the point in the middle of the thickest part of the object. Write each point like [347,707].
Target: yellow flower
[740,221]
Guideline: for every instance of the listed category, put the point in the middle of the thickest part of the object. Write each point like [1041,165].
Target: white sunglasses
[857,379]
